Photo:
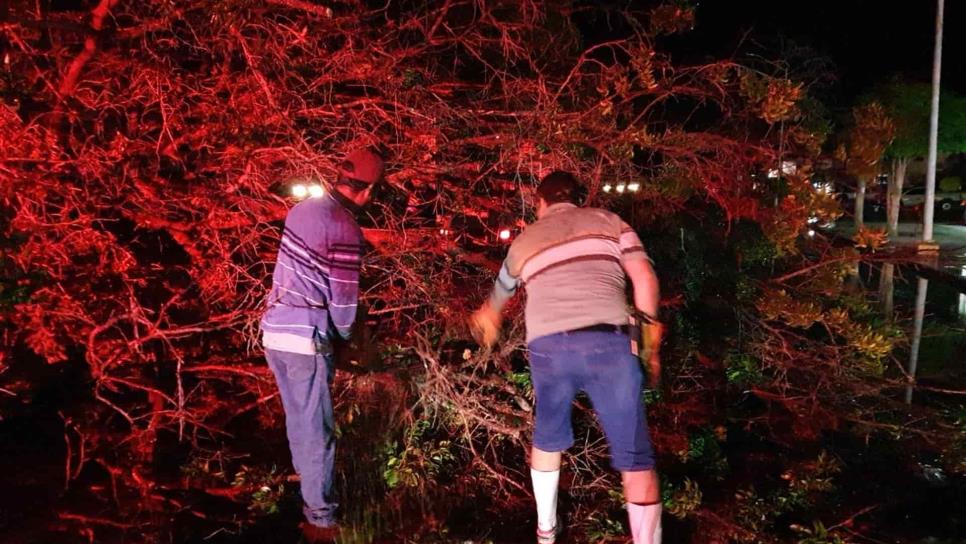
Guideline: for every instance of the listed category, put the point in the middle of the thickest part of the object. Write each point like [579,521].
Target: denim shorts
[601,364]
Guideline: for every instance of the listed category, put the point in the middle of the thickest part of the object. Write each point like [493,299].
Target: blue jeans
[601,364]
[303,383]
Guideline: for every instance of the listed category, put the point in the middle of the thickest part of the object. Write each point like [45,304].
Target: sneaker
[313,534]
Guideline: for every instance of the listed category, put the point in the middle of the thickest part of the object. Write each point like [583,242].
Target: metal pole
[929,205]
[921,288]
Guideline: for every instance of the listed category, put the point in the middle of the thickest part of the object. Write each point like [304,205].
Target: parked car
[875,201]
[945,200]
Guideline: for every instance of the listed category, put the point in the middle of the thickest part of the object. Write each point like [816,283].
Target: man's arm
[637,265]
[645,284]
[647,296]
[503,288]
[485,322]
[345,258]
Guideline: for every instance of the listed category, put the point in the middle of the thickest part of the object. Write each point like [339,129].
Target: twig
[262,82]
[941,390]
[850,519]
[70,80]
[395,309]
[225,369]
[305,6]
[94,521]
[807,269]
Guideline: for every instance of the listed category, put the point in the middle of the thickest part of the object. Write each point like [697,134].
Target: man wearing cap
[315,288]
[573,262]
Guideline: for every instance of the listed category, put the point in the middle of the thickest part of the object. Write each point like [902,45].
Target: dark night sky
[867,40]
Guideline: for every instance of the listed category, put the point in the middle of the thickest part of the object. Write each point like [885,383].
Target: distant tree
[908,105]
[867,141]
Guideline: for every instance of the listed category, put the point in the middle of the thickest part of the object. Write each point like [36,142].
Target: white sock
[545,492]
[645,522]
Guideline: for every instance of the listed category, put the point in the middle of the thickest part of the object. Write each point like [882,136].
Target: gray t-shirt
[571,263]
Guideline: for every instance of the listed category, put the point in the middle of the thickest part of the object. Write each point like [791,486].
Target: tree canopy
[872,133]
[908,104]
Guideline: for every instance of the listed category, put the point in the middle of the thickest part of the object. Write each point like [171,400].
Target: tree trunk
[894,194]
[859,203]
[887,283]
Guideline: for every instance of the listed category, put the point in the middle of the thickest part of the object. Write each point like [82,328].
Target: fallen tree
[149,150]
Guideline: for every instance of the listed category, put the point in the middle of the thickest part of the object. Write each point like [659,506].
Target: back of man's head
[559,186]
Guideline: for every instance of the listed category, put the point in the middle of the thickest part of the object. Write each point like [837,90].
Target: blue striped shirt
[315,285]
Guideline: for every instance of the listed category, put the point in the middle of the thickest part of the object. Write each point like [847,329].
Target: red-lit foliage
[148,149]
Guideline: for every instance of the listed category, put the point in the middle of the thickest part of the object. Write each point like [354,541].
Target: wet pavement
[950,237]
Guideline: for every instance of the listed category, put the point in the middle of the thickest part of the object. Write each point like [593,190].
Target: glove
[485,325]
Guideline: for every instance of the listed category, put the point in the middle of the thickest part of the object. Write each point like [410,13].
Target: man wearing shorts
[574,263]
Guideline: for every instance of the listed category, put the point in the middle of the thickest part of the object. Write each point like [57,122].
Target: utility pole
[928,245]
[920,312]
[859,203]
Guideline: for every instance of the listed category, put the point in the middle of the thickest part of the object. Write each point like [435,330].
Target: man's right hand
[485,325]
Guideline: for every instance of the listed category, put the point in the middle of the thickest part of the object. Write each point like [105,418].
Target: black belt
[604,327]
